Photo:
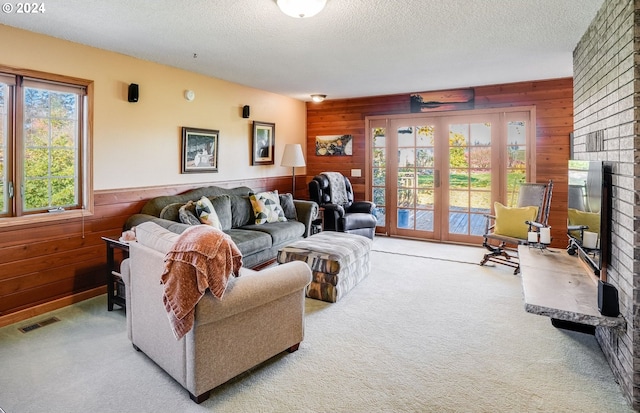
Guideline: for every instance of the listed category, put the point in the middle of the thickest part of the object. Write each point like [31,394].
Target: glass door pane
[469,177]
[415,178]
[4,149]
[379,173]
[516,158]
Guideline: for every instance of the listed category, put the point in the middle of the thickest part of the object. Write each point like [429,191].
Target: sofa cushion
[289,208]
[241,211]
[280,232]
[222,205]
[250,242]
[171,212]
[155,205]
[207,213]
[155,237]
[266,207]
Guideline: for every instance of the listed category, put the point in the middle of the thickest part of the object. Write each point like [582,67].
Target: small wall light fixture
[318,98]
[189,95]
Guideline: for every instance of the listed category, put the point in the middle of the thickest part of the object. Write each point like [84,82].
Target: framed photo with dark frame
[199,150]
[263,143]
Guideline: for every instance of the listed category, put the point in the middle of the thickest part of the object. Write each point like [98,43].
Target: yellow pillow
[510,221]
[591,219]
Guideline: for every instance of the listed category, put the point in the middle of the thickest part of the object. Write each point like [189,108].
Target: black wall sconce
[245,111]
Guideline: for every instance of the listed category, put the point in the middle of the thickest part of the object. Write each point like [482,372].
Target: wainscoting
[48,266]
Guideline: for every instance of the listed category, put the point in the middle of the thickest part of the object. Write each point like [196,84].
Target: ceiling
[353,48]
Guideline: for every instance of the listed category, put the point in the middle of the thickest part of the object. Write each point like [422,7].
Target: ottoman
[338,261]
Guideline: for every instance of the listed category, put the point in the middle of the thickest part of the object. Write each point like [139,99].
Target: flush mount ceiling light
[301,8]
[318,98]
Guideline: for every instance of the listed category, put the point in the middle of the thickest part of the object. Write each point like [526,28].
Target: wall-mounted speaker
[245,111]
[607,299]
[133,92]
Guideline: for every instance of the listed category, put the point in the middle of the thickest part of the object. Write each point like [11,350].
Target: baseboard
[50,306]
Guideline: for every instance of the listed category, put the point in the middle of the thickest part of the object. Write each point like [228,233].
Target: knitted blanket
[338,187]
[202,258]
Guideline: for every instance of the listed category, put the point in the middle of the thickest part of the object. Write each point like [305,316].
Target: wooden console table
[556,285]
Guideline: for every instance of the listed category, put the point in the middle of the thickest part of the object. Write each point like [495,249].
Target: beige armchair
[260,315]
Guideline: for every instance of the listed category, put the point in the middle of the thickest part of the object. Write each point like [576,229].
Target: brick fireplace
[606,105]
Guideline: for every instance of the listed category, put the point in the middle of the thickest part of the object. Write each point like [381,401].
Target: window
[44,144]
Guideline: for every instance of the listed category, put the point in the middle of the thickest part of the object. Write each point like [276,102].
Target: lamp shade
[301,8]
[293,155]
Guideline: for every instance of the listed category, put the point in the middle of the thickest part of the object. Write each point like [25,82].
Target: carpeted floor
[418,335]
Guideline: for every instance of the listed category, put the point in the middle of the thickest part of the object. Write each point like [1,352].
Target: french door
[435,177]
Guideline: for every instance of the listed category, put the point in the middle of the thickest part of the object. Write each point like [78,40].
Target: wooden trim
[50,306]
[45,75]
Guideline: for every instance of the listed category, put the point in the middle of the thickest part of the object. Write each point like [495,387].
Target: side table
[318,223]
[115,285]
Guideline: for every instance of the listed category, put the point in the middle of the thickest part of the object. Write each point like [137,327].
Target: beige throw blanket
[338,187]
[202,258]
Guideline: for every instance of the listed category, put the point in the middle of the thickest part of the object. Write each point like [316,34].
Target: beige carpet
[448,252]
[417,335]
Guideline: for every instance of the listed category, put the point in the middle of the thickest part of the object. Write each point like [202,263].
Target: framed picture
[264,137]
[334,145]
[199,150]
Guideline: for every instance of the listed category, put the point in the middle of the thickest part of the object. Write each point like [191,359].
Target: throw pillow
[289,208]
[206,213]
[266,207]
[510,221]
[590,219]
[187,214]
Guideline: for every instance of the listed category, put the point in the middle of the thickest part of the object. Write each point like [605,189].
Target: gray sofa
[259,244]
[260,315]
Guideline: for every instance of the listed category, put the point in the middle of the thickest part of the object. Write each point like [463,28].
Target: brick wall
[605,87]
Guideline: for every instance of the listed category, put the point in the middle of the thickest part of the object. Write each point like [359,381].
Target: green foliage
[457,151]
[51,161]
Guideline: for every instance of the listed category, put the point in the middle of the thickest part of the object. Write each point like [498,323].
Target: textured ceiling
[352,48]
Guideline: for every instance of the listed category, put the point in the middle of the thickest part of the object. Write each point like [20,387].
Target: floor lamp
[293,157]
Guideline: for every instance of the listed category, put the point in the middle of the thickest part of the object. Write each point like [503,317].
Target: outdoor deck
[458,222]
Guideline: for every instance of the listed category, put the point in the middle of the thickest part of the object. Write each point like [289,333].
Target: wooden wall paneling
[18,255]
[553,100]
[82,277]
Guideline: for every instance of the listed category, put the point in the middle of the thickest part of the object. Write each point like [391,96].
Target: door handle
[436,178]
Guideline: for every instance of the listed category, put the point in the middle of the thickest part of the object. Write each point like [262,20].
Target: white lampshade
[301,8]
[293,155]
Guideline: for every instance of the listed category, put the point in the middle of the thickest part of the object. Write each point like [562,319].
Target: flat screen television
[588,212]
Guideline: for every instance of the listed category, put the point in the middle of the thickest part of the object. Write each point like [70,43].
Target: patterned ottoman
[338,261]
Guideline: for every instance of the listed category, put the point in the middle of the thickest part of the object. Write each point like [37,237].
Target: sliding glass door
[435,177]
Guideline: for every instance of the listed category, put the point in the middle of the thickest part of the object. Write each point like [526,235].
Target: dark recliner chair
[355,217]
